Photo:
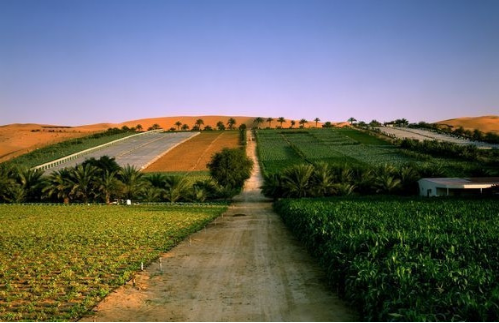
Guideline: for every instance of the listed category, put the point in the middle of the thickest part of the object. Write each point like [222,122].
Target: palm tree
[296,180]
[176,188]
[322,180]
[281,120]
[385,183]
[152,194]
[178,124]
[272,186]
[133,181]
[408,178]
[16,193]
[103,163]
[231,123]
[220,125]
[316,121]
[198,194]
[199,123]
[258,120]
[344,188]
[82,180]
[7,180]
[139,127]
[157,180]
[59,184]
[302,123]
[31,181]
[293,123]
[269,120]
[109,185]
[352,120]
[185,127]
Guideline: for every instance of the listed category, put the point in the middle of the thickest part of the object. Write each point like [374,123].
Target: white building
[457,186]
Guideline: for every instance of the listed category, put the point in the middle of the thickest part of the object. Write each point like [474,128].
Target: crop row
[403,258]
[56,262]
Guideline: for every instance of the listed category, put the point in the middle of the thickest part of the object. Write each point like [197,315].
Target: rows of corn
[405,259]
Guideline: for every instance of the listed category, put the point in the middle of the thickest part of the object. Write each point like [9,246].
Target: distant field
[56,262]
[421,134]
[279,149]
[194,154]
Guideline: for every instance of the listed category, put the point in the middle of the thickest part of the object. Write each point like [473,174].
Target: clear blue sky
[74,62]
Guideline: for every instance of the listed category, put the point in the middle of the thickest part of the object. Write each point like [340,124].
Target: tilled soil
[244,266]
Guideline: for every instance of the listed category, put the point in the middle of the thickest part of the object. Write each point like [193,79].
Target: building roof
[470,182]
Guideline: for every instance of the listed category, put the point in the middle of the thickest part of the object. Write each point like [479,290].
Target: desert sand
[484,123]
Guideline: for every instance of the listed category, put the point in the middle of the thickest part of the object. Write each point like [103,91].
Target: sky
[75,62]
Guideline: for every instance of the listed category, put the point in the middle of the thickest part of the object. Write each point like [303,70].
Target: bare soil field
[245,266]
[194,154]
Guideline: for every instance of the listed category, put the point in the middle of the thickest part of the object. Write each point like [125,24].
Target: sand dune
[484,123]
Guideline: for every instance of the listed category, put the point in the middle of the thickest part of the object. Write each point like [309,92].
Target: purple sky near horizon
[82,62]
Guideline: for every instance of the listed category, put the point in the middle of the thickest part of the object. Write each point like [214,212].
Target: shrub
[230,167]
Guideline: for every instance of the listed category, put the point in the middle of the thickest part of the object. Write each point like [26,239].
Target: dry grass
[194,154]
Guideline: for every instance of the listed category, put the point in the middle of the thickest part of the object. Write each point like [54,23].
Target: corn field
[405,259]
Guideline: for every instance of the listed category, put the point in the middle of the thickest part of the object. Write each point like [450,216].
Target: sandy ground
[245,266]
[484,123]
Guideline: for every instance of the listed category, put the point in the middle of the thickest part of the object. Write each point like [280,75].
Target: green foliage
[321,180]
[102,180]
[230,168]
[363,155]
[242,135]
[61,260]
[405,259]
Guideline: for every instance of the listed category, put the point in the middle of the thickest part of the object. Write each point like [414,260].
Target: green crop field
[405,259]
[57,262]
[279,149]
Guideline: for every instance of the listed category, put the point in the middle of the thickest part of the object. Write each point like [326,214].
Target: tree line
[103,181]
[323,180]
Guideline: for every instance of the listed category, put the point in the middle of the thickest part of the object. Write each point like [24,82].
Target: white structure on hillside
[456,186]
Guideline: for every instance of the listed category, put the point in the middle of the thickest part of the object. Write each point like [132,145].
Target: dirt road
[245,266]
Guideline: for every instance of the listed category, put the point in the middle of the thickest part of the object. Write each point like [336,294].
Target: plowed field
[194,154]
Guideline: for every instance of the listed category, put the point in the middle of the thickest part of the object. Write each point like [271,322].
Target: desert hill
[484,123]
[17,139]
